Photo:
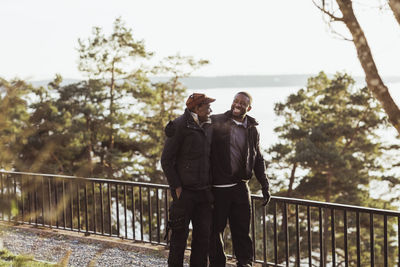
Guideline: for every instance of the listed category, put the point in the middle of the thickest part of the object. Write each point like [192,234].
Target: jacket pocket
[189,172]
[176,217]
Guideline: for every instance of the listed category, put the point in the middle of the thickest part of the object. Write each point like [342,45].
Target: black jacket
[221,155]
[185,159]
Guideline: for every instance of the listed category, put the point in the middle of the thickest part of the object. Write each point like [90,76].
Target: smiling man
[186,164]
[235,155]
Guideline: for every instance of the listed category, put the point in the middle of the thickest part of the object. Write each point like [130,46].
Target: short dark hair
[247,95]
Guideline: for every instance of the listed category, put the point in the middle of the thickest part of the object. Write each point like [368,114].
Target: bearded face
[203,111]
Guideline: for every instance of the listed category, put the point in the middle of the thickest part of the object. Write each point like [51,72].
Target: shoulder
[218,118]
[174,126]
[215,118]
[252,124]
[251,121]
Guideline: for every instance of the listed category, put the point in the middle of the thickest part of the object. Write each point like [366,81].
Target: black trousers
[195,207]
[233,204]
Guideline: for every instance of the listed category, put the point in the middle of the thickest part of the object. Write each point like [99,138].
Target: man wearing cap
[186,164]
[235,155]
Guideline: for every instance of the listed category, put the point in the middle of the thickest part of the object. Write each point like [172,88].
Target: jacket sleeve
[170,153]
[259,165]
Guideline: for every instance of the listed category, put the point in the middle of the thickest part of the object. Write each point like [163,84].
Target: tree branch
[372,77]
[342,37]
[323,10]
[356,129]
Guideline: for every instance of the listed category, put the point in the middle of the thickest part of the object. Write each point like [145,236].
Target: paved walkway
[73,249]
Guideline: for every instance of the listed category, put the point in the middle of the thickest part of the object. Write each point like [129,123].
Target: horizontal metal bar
[329,205]
[83,179]
[267,264]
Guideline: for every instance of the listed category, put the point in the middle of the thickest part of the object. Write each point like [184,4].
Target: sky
[255,37]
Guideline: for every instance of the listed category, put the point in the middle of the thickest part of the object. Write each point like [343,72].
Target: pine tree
[13,120]
[329,149]
[109,58]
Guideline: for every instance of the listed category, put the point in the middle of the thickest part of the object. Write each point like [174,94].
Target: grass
[9,259]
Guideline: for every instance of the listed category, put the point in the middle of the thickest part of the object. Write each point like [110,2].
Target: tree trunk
[111,146]
[89,150]
[291,180]
[372,77]
[395,6]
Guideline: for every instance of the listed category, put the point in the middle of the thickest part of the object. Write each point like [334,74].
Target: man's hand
[178,192]
[266,196]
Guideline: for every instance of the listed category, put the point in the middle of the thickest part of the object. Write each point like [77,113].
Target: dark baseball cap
[197,99]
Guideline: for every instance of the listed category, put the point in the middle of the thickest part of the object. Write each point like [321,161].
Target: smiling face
[240,106]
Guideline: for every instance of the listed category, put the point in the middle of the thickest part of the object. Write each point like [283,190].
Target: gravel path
[59,249]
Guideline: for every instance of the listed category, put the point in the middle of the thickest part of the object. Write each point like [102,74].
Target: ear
[249,108]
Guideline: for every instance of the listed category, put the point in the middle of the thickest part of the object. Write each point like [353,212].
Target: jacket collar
[190,120]
[196,119]
[250,120]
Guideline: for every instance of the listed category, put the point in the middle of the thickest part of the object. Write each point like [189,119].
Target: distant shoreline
[238,81]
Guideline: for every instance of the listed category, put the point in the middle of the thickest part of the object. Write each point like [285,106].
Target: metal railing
[289,232]
[129,210]
[311,233]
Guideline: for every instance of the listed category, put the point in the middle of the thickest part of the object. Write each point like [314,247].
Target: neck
[202,119]
[239,119]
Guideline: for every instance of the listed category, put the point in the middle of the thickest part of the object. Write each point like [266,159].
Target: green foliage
[111,125]
[13,120]
[329,151]
[46,137]
[9,259]
[106,57]
[329,136]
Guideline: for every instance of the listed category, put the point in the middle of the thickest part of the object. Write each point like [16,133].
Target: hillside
[238,81]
